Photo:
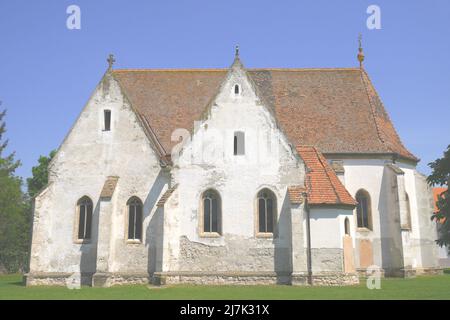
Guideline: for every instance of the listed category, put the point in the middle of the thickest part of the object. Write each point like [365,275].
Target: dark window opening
[211,212]
[239,143]
[236,89]
[363,210]
[347,226]
[134,219]
[85,218]
[266,211]
[107,118]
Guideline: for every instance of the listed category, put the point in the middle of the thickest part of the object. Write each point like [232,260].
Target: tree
[40,175]
[14,213]
[441,176]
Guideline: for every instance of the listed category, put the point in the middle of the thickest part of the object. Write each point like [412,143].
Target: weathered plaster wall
[83,162]
[327,231]
[207,161]
[371,175]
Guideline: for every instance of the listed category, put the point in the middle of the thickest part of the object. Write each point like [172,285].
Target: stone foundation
[334,279]
[404,272]
[113,279]
[56,279]
[254,278]
[196,278]
[88,279]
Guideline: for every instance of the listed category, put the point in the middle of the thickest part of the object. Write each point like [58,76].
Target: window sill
[133,241]
[210,235]
[363,230]
[264,235]
[82,241]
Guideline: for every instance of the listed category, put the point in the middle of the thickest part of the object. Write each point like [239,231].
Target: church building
[232,176]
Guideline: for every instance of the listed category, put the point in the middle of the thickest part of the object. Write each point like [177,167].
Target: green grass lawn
[424,287]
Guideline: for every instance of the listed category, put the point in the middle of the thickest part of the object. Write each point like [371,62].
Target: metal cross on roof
[111,60]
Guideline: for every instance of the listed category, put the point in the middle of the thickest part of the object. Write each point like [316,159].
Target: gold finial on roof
[360,51]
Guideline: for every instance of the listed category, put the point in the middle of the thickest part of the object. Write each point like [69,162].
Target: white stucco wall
[370,175]
[207,161]
[86,158]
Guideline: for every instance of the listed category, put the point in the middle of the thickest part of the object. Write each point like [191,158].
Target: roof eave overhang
[332,205]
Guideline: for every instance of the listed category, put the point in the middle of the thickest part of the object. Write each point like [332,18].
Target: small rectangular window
[239,143]
[107,118]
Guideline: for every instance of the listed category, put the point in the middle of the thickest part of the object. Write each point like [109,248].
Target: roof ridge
[367,82]
[372,110]
[225,69]
[168,70]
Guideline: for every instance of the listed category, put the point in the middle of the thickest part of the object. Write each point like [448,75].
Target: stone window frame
[258,233]
[76,225]
[369,227]
[127,221]
[201,220]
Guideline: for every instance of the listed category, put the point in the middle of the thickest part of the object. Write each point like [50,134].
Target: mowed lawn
[423,287]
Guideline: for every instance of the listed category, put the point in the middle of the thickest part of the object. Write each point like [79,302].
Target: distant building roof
[436,193]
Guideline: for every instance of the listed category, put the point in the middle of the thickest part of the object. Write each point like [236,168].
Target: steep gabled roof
[336,110]
[322,184]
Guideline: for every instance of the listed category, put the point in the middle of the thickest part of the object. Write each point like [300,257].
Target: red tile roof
[336,110]
[296,194]
[324,187]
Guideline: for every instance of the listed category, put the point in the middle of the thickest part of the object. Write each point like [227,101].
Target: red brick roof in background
[436,193]
[336,110]
[296,194]
[323,186]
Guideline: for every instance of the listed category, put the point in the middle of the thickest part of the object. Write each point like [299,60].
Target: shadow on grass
[447,271]
[17,284]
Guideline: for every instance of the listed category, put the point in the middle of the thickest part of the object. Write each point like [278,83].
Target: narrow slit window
[107,120]
[347,226]
[239,143]
[236,89]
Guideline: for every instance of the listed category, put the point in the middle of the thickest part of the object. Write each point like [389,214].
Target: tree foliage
[40,175]
[441,176]
[14,210]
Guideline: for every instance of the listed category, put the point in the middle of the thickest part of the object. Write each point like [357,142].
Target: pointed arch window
[266,211]
[211,213]
[85,207]
[363,210]
[134,219]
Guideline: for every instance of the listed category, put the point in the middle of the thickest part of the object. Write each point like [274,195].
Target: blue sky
[47,72]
